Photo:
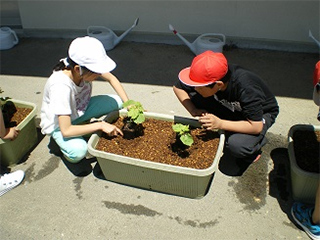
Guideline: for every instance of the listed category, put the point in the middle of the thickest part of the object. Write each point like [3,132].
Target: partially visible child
[67,104]
[7,133]
[10,180]
[308,217]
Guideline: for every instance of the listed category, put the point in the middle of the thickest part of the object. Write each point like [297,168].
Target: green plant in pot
[132,123]
[183,132]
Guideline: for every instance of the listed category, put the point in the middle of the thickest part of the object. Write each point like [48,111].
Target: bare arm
[210,122]
[7,133]
[187,103]
[69,130]
[116,85]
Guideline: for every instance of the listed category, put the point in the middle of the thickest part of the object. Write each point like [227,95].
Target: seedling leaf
[184,132]
[135,111]
[186,139]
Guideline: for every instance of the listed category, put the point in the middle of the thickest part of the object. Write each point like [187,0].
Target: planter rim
[291,152]
[155,165]
[26,120]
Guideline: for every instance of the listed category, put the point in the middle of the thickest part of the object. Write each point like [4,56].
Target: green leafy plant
[184,132]
[135,111]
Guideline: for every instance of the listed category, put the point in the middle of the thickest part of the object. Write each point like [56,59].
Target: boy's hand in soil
[110,129]
[210,121]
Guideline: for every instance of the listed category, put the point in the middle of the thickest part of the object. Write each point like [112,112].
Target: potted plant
[12,152]
[183,132]
[132,127]
[155,175]
[303,150]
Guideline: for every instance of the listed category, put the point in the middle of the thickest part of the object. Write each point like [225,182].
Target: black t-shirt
[246,94]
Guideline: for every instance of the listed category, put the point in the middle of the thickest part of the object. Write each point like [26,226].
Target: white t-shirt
[62,97]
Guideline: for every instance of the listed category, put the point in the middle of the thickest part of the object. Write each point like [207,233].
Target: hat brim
[105,66]
[184,77]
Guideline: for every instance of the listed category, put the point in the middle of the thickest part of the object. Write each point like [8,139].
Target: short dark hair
[61,66]
[226,77]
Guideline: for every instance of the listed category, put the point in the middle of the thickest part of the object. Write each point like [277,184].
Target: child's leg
[100,105]
[247,146]
[244,146]
[74,149]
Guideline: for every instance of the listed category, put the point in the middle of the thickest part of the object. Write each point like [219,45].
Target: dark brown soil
[13,115]
[306,147]
[158,144]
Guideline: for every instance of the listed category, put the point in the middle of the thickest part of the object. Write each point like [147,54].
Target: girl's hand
[110,129]
[12,133]
[210,121]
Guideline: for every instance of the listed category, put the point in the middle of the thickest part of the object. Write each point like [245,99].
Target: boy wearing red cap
[228,97]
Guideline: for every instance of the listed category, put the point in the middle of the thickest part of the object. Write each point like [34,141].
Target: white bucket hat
[89,52]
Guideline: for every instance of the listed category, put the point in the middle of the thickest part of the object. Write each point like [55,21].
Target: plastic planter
[165,178]
[12,152]
[304,184]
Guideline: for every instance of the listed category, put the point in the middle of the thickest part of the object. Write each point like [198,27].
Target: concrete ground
[54,203]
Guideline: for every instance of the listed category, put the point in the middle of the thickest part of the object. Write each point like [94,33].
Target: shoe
[302,214]
[257,158]
[10,180]
[254,157]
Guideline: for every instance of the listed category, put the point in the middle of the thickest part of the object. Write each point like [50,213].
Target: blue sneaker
[302,214]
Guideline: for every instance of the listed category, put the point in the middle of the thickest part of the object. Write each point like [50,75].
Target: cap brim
[184,77]
[105,66]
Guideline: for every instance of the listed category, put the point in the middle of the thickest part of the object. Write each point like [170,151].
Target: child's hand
[110,129]
[12,133]
[210,121]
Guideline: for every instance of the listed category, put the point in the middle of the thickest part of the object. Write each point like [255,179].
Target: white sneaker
[10,180]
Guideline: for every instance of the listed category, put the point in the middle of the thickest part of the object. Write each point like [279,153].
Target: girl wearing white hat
[67,105]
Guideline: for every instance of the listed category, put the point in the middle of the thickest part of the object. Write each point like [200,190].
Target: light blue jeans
[75,148]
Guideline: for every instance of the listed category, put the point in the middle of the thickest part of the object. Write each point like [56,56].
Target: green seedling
[135,111]
[184,132]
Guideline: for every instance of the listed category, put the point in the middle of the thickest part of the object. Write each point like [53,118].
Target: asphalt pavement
[54,202]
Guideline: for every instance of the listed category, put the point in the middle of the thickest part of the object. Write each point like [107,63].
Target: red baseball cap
[205,69]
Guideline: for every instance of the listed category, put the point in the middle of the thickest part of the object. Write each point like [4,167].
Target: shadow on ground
[280,180]
[288,74]
[80,169]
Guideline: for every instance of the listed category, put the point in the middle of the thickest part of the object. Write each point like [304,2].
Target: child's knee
[236,150]
[240,149]
[118,100]
[77,152]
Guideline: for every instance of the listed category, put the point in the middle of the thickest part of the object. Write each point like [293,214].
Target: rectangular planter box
[304,184]
[165,178]
[12,152]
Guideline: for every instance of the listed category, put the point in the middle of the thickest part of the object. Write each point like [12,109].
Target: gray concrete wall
[9,13]
[277,21]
